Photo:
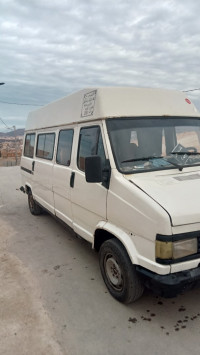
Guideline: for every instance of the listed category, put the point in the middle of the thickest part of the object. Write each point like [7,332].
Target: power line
[191,90]
[4,124]
[19,104]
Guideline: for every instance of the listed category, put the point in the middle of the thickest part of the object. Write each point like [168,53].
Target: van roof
[97,103]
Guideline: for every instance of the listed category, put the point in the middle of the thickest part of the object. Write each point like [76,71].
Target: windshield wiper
[180,167]
[143,158]
[183,153]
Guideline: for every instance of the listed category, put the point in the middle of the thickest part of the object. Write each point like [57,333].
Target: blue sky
[50,49]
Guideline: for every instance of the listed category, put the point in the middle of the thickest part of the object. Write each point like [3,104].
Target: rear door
[88,199]
[27,159]
[43,170]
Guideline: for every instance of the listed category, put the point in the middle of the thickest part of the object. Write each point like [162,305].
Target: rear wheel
[34,208]
[119,273]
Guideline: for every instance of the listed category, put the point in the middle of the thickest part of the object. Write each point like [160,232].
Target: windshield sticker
[88,103]
[133,137]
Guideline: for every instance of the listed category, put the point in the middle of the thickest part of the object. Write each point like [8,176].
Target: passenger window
[29,145]
[64,147]
[45,146]
[90,143]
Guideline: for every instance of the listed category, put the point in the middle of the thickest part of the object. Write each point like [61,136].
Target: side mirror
[93,169]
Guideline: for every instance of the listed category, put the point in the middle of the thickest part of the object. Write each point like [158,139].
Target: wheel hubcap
[113,272]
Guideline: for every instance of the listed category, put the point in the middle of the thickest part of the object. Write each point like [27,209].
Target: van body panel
[42,184]
[132,243]
[137,212]
[183,185]
[61,179]
[140,218]
[26,167]
[62,193]
[95,103]
[186,228]
[88,205]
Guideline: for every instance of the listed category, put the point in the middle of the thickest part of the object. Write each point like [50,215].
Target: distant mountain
[19,132]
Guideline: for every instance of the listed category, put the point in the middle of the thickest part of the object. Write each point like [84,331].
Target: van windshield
[154,143]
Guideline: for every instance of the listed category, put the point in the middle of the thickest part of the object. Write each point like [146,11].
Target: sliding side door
[62,171]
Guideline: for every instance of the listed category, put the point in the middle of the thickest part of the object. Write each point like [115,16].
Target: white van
[121,166]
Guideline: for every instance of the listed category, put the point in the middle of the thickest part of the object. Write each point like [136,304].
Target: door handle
[72,179]
[33,165]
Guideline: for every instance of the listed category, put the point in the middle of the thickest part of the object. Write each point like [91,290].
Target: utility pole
[14,127]
[1,84]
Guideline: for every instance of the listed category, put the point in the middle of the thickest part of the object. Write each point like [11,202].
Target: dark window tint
[29,145]
[45,146]
[64,147]
[90,143]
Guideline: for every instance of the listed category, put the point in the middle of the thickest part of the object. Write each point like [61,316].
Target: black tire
[119,273]
[34,208]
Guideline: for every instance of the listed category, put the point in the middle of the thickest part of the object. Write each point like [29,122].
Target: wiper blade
[143,158]
[183,153]
[180,167]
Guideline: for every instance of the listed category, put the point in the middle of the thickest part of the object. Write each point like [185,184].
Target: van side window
[45,146]
[29,145]
[65,140]
[90,143]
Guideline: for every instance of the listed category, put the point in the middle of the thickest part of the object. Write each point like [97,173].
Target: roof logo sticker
[88,103]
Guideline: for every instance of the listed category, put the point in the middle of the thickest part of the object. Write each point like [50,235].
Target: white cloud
[52,48]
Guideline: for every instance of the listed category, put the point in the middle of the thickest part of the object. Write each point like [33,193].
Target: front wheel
[34,208]
[119,273]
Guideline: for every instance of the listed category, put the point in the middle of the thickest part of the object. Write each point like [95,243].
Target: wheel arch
[28,188]
[108,231]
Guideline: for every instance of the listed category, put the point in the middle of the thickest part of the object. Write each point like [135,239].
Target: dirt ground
[25,327]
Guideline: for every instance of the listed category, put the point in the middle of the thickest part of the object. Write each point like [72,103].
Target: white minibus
[121,167]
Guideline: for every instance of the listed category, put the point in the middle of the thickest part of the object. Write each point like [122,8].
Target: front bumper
[171,284]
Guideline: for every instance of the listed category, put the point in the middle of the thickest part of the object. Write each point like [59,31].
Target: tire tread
[133,286]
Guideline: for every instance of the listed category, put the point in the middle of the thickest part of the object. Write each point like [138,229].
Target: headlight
[184,247]
[176,249]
